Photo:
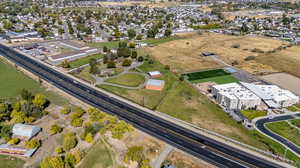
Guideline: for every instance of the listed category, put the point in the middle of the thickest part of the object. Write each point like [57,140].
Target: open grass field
[13,81]
[285,130]
[251,114]
[110,44]
[128,80]
[10,162]
[98,157]
[159,41]
[84,60]
[185,54]
[287,60]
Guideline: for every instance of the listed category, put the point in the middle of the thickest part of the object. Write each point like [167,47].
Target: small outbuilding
[154,74]
[153,84]
[25,131]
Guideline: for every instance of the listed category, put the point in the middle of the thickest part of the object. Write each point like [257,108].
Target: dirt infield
[285,80]
[185,54]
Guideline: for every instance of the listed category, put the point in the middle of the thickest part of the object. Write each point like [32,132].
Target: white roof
[152,73]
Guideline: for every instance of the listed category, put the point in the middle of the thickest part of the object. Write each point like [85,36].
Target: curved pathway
[260,123]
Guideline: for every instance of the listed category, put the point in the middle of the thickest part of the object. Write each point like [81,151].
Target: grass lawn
[85,75]
[13,81]
[160,40]
[296,122]
[285,130]
[10,162]
[298,106]
[98,157]
[219,79]
[128,80]
[85,60]
[251,114]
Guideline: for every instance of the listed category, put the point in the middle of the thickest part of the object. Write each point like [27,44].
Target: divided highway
[214,152]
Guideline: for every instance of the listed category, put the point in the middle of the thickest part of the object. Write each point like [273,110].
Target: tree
[131,45]
[33,143]
[17,116]
[93,66]
[55,129]
[70,159]
[66,110]
[111,64]
[123,52]
[139,37]
[126,62]
[69,141]
[59,150]
[105,49]
[39,100]
[61,31]
[13,141]
[167,67]
[140,58]
[134,153]
[131,33]
[76,122]
[65,64]
[168,32]
[134,54]
[89,137]
[52,162]
[26,95]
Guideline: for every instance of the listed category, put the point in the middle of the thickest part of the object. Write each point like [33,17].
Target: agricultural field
[251,114]
[218,76]
[185,54]
[284,129]
[131,80]
[85,60]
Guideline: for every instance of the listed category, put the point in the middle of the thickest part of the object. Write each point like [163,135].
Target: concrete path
[162,156]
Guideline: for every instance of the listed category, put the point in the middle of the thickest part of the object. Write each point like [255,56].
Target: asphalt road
[260,125]
[214,152]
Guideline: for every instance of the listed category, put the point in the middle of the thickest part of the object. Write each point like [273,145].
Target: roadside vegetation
[285,130]
[85,60]
[251,114]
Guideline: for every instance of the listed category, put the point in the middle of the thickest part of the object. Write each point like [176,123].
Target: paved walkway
[162,156]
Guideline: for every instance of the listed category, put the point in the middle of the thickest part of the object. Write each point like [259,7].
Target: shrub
[34,143]
[13,141]
[134,54]
[234,63]
[126,62]
[105,49]
[55,129]
[134,153]
[167,67]
[52,162]
[249,58]
[236,46]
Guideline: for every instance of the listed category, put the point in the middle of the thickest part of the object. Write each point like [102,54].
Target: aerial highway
[260,125]
[210,150]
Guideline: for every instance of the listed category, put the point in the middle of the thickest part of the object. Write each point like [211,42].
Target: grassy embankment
[251,114]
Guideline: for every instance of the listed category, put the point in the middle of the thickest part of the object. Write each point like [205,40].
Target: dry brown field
[284,80]
[185,54]
[287,60]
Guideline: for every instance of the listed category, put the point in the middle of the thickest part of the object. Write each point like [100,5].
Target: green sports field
[218,76]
